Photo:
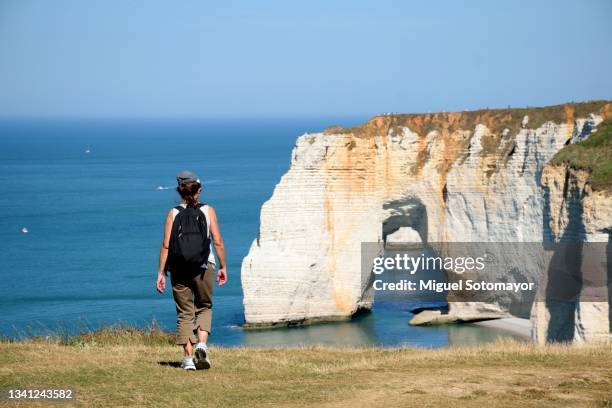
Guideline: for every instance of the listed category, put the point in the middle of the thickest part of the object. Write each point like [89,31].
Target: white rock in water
[465,312]
[451,184]
[404,235]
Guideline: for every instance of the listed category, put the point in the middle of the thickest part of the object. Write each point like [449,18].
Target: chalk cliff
[575,212]
[451,177]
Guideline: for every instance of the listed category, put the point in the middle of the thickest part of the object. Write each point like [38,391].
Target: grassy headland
[594,154]
[131,368]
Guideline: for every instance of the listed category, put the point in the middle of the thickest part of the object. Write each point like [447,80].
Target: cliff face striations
[451,177]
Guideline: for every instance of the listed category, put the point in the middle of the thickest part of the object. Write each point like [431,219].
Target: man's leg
[185,312]
[202,288]
[202,335]
[188,349]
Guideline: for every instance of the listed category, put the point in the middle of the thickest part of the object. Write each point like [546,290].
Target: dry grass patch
[506,373]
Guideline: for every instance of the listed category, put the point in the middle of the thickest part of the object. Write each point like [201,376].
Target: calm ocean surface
[95,224]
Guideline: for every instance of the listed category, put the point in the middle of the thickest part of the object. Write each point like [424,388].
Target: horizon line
[367,115]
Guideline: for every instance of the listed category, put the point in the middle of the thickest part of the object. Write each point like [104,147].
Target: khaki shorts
[193,299]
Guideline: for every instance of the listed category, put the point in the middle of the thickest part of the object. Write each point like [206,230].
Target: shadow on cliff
[409,212]
[609,275]
[564,277]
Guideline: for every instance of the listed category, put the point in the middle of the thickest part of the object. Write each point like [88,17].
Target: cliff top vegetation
[497,120]
[593,154]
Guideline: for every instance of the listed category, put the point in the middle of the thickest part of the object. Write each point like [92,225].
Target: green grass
[115,368]
[594,155]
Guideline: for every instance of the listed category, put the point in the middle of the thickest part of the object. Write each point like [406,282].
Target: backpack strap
[179,208]
[204,208]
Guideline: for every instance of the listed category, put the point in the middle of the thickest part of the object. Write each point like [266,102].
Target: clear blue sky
[195,58]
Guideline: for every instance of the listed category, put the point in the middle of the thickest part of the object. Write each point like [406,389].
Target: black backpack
[189,240]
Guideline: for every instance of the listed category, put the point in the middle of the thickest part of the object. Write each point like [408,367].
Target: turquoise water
[95,223]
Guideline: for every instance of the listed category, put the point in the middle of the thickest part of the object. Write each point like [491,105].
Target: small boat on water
[24,230]
[88,150]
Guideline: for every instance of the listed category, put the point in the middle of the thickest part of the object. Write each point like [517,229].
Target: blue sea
[93,195]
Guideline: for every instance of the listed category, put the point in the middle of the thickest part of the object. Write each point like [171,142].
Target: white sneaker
[202,361]
[188,364]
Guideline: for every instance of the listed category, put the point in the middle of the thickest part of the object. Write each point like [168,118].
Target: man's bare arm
[163,253]
[218,244]
[217,238]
